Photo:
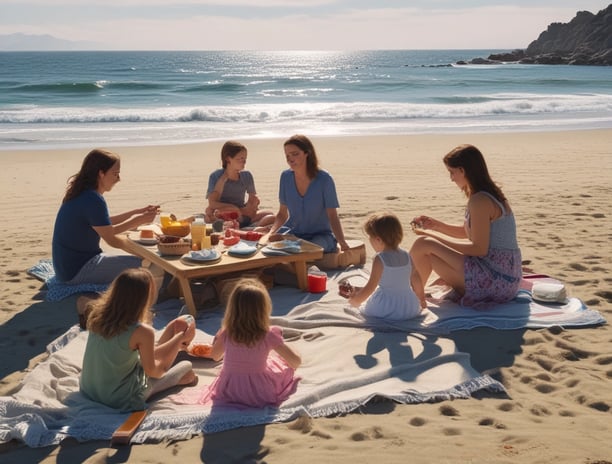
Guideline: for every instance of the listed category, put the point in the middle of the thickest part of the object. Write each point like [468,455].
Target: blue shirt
[74,240]
[233,190]
[308,214]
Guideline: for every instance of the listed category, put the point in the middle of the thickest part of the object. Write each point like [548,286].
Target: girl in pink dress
[258,367]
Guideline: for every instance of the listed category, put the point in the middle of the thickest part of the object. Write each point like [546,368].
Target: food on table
[169,238]
[248,235]
[175,227]
[229,241]
[147,234]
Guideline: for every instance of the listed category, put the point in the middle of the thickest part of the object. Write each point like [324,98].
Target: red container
[317,283]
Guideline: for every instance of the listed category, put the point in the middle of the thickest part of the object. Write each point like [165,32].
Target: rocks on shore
[585,40]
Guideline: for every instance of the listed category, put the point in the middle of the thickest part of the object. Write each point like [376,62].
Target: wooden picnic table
[184,271]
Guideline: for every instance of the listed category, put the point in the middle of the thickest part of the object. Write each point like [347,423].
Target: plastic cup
[317,282]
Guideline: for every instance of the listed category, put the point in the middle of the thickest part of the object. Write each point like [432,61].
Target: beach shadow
[221,448]
[27,334]
[489,349]
[400,350]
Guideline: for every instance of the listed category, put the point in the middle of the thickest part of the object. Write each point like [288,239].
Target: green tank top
[112,373]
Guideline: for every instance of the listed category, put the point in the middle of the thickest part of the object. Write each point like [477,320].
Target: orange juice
[205,242]
[198,230]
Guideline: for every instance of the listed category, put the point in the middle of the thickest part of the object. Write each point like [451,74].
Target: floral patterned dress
[494,278]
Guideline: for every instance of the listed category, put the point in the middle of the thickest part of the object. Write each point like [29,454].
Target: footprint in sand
[374,433]
[572,353]
[539,411]
[488,421]
[545,388]
[571,383]
[603,360]
[304,424]
[506,407]
[417,421]
[451,431]
[600,406]
[605,294]
[447,410]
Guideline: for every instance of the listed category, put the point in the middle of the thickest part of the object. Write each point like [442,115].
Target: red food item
[248,235]
[201,350]
[229,241]
[253,236]
[228,215]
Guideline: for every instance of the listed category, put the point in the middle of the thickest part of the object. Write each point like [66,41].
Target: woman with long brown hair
[479,259]
[308,199]
[83,219]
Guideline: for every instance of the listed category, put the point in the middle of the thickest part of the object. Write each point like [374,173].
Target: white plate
[284,247]
[242,248]
[135,236]
[203,256]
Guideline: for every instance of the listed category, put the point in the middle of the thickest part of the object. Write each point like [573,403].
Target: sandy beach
[558,407]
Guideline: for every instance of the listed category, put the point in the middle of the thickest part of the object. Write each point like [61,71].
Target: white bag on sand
[549,292]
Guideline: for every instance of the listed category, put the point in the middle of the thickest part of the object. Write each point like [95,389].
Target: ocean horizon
[114,98]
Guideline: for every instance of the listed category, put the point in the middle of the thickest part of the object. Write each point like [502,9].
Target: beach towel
[348,361]
[56,290]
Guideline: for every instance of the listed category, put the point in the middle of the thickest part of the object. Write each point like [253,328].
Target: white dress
[394,298]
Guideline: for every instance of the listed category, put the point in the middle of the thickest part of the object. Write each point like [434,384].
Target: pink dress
[252,376]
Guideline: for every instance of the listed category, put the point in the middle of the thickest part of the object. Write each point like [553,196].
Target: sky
[290,24]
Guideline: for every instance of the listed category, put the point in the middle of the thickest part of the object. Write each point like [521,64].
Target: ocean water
[86,99]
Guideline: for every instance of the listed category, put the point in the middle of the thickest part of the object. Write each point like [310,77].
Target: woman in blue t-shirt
[308,199]
[83,219]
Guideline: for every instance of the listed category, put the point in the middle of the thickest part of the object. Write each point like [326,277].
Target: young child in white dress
[389,293]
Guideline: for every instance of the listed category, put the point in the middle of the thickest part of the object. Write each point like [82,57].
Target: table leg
[301,272]
[187,295]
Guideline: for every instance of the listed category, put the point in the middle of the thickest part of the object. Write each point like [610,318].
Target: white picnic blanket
[347,361]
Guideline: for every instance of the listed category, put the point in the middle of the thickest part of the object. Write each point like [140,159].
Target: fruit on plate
[177,228]
[169,238]
[248,235]
[147,234]
[229,241]
[201,350]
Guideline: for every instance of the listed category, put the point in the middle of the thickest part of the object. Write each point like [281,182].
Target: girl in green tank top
[123,363]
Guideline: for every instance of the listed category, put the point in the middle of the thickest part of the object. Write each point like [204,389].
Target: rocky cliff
[585,40]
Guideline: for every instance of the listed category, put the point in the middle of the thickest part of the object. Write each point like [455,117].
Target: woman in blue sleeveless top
[479,259]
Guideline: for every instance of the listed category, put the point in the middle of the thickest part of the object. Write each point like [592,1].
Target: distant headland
[585,40]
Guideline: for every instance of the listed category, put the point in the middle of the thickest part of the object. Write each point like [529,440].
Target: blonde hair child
[258,367]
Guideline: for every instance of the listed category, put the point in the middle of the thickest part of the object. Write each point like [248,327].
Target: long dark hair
[87,178]
[126,302]
[477,175]
[304,144]
[229,150]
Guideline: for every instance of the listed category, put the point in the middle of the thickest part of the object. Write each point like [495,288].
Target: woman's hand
[420,224]
[343,245]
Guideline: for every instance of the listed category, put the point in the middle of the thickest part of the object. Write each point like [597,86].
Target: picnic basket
[174,249]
